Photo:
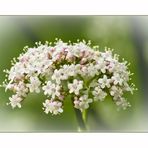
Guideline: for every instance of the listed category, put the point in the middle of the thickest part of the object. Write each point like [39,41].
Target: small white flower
[21,89]
[104,82]
[15,101]
[116,78]
[116,92]
[63,74]
[82,103]
[112,66]
[78,50]
[101,65]
[122,102]
[75,87]
[92,70]
[54,107]
[70,70]
[107,55]
[99,94]
[56,76]
[34,85]
[51,89]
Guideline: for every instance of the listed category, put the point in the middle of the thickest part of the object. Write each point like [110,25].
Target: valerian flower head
[63,69]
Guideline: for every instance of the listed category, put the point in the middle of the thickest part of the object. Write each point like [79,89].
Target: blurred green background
[127,35]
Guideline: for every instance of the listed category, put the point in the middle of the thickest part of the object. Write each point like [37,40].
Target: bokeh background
[127,35]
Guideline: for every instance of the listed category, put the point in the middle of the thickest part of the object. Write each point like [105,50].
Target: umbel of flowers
[65,69]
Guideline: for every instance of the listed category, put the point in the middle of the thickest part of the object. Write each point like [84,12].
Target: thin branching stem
[81,118]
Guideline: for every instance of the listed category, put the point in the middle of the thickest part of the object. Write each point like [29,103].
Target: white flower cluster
[64,69]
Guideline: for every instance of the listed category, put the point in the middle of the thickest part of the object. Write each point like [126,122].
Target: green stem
[84,116]
[81,118]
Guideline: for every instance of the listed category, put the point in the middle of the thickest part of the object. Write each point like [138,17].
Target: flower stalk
[81,119]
